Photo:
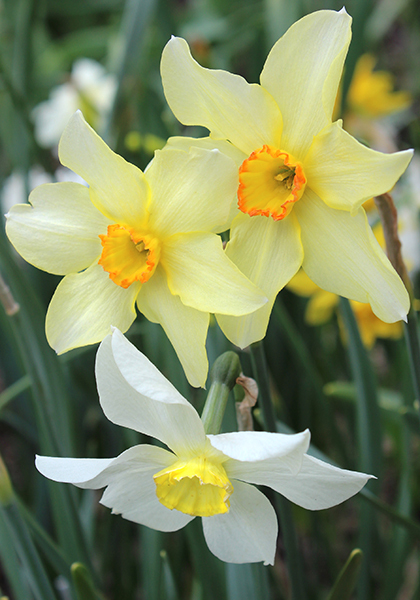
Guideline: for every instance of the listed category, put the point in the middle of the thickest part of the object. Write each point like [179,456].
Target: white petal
[302,73]
[248,532]
[134,394]
[191,191]
[131,490]
[83,472]
[59,233]
[269,253]
[84,307]
[342,256]
[226,104]
[185,327]
[319,485]
[257,446]
[118,189]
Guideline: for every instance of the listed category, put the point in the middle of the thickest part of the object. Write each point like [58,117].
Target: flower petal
[185,327]
[84,472]
[118,189]
[256,446]
[226,104]
[84,307]
[269,253]
[342,256]
[131,490]
[59,233]
[248,532]
[344,173]
[319,485]
[134,394]
[204,278]
[192,191]
[302,73]
[208,143]
[259,457]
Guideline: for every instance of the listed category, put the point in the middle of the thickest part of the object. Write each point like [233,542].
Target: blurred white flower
[90,89]
[200,475]
[17,187]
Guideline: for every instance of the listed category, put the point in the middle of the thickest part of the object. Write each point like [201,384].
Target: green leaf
[346,581]
[82,580]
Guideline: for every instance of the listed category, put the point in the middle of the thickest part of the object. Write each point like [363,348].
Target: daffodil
[89,88]
[322,305]
[301,178]
[198,475]
[134,237]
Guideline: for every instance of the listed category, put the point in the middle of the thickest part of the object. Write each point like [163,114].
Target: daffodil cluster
[288,183]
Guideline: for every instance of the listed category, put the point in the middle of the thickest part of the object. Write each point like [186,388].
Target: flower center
[270,182]
[128,256]
[197,487]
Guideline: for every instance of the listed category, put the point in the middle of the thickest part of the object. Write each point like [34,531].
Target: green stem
[284,509]
[412,341]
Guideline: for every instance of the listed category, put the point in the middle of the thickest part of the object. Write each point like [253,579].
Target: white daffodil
[301,179]
[201,475]
[134,237]
[89,89]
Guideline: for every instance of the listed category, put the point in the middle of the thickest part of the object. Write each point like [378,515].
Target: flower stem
[226,369]
[284,509]
[389,219]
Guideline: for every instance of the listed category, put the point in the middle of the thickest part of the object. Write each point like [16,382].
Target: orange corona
[270,182]
[128,256]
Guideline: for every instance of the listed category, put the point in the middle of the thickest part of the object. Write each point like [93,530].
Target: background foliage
[57,542]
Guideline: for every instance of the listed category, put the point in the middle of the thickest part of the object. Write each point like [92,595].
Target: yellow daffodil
[301,178]
[134,237]
[199,475]
[322,304]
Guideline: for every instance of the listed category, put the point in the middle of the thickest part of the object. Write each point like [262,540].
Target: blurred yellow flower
[371,93]
[322,304]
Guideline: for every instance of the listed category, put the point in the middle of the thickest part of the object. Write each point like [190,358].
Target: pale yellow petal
[191,191]
[345,173]
[84,307]
[269,253]
[199,271]
[118,189]
[302,73]
[185,327]
[208,143]
[343,256]
[58,231]
[226,104]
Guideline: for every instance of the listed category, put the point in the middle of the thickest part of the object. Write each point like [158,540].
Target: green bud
[223,376]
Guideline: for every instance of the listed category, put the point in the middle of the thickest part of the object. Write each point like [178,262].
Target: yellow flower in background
[322,305]
[301,179]
[372,94]
[134,238]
